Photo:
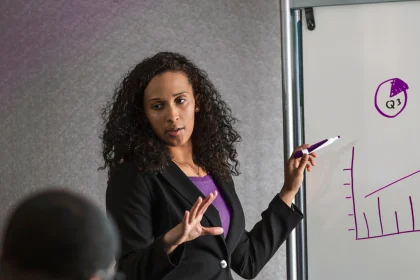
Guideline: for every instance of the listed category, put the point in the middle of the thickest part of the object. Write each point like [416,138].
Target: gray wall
[61,60]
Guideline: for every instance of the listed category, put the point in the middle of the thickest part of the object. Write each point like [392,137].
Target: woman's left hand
[294,173]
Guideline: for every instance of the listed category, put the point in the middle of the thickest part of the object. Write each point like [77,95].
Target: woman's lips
[174,132]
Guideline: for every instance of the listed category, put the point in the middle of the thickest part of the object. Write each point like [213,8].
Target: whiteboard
[361,77]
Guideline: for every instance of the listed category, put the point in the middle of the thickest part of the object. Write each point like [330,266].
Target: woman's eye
[157,106]
[180,100]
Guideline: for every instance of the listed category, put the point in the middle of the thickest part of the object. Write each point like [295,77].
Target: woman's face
[170,108]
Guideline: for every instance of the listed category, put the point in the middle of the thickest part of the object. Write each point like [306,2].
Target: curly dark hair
[127,134]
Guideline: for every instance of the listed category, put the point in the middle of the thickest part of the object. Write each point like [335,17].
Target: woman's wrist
[287,196]
[168,245]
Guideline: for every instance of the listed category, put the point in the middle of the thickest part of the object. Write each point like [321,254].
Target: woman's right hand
[190,228]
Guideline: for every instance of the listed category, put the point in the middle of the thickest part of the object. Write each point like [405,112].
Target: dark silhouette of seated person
[58,235]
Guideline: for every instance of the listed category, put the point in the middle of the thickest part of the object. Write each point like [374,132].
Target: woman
[170,149]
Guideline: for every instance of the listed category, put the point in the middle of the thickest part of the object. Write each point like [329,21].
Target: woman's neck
[183,157]
[183,153]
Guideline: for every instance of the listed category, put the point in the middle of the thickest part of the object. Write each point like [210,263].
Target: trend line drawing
[403,178]
[366,218]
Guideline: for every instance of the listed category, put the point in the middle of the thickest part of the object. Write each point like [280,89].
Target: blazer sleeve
[130,203]
[257,246]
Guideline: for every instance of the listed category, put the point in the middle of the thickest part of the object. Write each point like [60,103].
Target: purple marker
[316,147]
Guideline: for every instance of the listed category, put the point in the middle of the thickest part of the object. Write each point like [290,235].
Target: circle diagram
[391,97]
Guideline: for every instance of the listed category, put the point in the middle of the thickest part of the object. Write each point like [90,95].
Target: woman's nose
[172,114]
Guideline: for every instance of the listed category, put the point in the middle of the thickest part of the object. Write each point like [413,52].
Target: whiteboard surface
[369,180]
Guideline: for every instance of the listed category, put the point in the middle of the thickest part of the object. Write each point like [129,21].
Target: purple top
[206,185]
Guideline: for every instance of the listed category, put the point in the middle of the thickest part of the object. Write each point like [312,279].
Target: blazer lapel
[237,219]
[186,188]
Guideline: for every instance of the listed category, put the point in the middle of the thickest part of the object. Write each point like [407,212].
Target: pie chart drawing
[391,97]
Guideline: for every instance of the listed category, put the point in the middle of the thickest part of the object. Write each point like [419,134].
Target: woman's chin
[176,142]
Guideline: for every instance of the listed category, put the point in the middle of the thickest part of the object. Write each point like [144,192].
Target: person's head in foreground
[57,234]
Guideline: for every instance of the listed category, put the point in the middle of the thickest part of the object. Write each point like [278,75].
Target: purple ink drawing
[357,226]
[391,97]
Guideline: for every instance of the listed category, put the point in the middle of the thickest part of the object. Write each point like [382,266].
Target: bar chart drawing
[361,220]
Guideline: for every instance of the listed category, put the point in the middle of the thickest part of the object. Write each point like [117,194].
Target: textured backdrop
[61,60]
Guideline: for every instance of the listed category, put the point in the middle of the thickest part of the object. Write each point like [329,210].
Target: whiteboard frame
[318,3]
[293,125]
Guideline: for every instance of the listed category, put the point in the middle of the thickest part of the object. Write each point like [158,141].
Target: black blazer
[146,206]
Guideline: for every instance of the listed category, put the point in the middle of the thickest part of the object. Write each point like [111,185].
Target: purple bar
[380,216]
[348,197]
[367,225]
[350,229]
[350,214]
[346,184]
[352,192]
[346,169]
[396,220]
[412,212]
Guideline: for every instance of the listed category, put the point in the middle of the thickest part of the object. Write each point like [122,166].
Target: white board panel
[361,68]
